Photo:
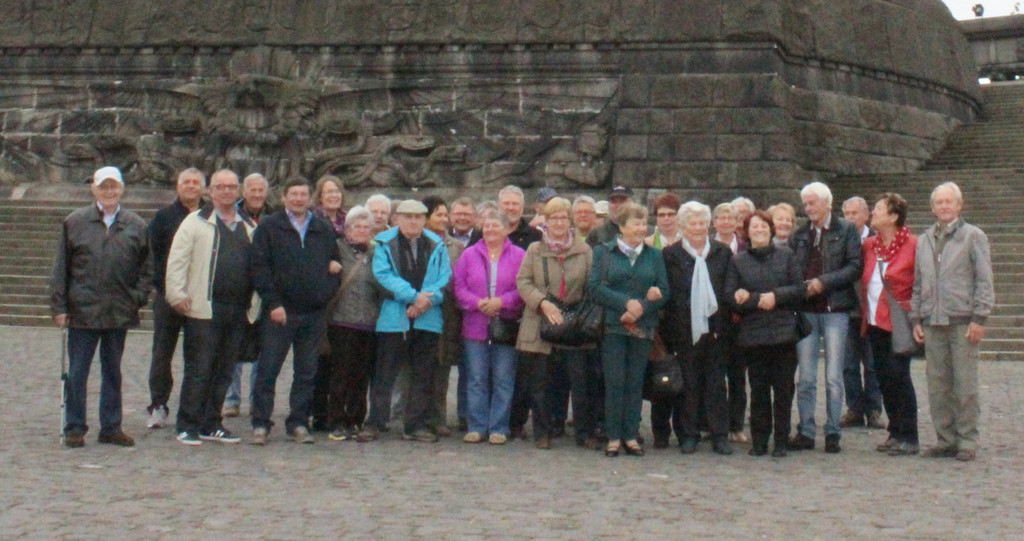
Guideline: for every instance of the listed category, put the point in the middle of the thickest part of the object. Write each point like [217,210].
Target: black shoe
[660,442]
[778,452]
[758,449]
[801,443]
[832,444]
[517,432]
[558,431]
[721,445]
[689,445]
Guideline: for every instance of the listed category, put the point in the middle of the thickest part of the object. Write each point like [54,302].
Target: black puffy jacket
[101,277]
[768,269]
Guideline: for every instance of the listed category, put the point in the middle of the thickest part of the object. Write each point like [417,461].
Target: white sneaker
[157,417]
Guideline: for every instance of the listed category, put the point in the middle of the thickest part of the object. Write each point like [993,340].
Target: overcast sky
[961,9]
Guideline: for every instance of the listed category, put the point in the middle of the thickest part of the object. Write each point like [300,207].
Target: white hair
[512,188]
[952,186]
[857,200]
[583,199]
[254,177]
[356,213]
[819,189]
[693,208]
[745,202]
[378,198]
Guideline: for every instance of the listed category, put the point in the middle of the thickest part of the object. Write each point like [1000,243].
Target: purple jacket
[470,279]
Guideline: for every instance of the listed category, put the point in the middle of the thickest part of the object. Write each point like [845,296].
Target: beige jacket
[192,263]
[575,265]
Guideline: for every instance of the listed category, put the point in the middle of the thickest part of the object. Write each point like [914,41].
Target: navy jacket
[290,272]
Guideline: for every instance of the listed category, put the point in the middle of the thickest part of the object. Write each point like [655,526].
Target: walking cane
[63,381]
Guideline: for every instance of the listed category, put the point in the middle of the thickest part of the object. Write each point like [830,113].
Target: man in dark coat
[101,278]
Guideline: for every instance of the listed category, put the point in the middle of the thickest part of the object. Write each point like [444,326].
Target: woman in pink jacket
[485,288]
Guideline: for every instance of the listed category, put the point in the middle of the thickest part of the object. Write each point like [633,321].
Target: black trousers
[211,349]
[898,394]
[703,397]
[167,325]
[418,349]
[736,382]
[349,368]
[772,372]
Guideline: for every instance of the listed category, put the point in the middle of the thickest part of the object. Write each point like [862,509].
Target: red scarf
[886,253]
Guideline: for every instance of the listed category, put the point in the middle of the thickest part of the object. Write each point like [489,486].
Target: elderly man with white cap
[412,264]
[101,277]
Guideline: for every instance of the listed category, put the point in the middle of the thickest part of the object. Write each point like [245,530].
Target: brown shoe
[230,411]
[851,418]
[544,442]
[74,440]
[875,420]
[443,431]
[592,444]
[939,452]
[966,455]
[117,438]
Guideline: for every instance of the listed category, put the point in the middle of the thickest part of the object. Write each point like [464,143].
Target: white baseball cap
[105,173]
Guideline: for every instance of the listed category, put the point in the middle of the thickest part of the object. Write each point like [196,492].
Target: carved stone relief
[265,118]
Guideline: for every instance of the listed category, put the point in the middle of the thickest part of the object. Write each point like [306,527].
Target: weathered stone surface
[454,94]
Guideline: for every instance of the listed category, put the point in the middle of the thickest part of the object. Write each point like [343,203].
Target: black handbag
[499,330]
[502,331]
[582,322]
[664,379]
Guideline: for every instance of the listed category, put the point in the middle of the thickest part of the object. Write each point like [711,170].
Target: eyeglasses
[225,187]
[666,215]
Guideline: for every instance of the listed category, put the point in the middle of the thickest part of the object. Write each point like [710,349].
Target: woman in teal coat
[628,279]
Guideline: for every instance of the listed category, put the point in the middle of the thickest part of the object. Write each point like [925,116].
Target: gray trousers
[952,385]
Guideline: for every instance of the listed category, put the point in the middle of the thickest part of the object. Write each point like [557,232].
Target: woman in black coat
[764,286]
[695,343]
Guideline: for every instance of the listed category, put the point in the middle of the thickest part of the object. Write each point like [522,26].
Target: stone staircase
[29,230]
[987,160]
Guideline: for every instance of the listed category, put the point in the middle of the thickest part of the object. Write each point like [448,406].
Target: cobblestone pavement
[393,489]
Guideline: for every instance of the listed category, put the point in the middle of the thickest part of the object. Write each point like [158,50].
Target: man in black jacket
[100,280]
[167,323]
[827,248]
[511,201]
[295,266]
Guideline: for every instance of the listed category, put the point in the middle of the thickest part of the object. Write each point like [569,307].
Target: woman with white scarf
[691,323]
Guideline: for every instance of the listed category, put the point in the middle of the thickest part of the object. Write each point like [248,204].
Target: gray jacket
[956,288]
[101,277]
[357,303]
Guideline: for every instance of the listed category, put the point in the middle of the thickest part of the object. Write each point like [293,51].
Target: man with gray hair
[827,248]
[584,215]
[167,323]
[252,207]
[511,201]
[952,299]
[100,280]
[863,396]
[379,206]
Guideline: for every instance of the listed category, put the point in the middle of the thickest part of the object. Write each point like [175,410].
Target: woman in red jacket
[889,274]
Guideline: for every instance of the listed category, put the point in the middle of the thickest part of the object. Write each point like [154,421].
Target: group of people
[378,302]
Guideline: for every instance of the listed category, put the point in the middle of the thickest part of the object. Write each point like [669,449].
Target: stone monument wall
[698,96]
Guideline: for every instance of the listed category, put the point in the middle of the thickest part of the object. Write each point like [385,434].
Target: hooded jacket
[385,268]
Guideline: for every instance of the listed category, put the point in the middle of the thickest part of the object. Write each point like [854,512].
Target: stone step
[39,290]
[1010,356]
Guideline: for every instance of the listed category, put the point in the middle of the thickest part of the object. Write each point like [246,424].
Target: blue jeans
[492,380]
[81,349]
[303,332]
[830,329]
[861,398]
[234,396]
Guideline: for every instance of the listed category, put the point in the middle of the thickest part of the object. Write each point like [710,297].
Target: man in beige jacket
[208,282]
